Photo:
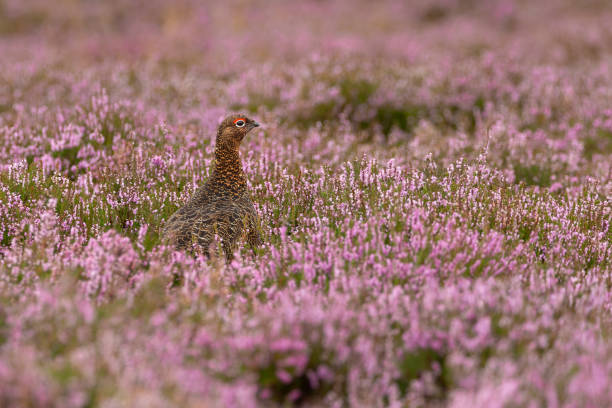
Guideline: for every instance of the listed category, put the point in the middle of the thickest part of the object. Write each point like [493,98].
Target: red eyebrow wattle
[243,119]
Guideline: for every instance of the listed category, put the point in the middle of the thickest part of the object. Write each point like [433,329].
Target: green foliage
[413,365]
[280,391]
[600,143]
[533,174]
[3,326]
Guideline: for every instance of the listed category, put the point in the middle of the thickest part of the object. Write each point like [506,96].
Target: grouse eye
[240,123]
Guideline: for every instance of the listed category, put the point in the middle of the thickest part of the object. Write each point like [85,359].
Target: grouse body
[222,205]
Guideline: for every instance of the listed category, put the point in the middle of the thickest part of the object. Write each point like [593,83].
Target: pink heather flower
[284,376]
[554,187]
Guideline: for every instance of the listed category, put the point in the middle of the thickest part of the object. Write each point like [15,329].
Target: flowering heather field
[434,180]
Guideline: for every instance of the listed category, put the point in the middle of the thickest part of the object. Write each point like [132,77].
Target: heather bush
[434,182]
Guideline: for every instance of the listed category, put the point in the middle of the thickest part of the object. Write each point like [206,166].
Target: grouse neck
[228,168]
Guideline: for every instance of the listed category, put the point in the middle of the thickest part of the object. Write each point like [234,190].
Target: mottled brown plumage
[222,205]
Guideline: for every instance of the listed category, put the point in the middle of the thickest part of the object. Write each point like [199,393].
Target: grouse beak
[253,125]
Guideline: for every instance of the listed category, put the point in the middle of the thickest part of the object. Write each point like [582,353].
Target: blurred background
[192,31]
[420,77]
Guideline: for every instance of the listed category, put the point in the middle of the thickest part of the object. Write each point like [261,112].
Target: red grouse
[222,205]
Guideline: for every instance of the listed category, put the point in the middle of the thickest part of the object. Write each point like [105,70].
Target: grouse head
[233,129]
